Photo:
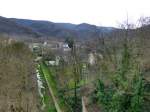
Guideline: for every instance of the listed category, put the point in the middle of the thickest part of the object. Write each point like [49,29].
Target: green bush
[125,94]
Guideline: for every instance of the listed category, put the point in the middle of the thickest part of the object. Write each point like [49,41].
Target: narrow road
[83,105]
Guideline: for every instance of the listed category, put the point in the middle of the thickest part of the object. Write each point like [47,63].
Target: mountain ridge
[41,28]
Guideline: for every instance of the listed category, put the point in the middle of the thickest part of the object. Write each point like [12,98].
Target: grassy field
[49,76]
[47,98]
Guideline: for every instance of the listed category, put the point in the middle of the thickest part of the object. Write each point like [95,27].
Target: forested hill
[35,28]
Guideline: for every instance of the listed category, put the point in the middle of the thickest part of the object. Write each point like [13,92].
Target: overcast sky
[98,12]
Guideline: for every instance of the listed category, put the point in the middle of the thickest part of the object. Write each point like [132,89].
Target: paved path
[83,105]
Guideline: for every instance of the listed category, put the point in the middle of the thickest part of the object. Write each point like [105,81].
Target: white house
[91,59]
[54,62]
[66,47]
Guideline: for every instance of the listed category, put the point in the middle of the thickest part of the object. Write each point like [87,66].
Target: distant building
[38,59]
[51,45]
[66,47]
[54,62]
[45,43]
[35,47]
[91,59]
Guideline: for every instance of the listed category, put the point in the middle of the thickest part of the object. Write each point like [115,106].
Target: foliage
[70,42]
[51,82]
[125,94]
[17,74]
[47,98]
